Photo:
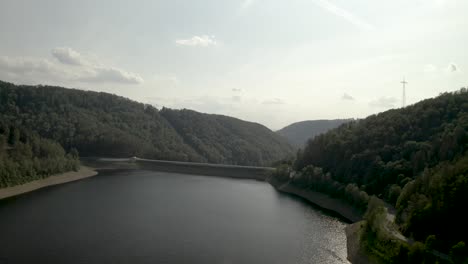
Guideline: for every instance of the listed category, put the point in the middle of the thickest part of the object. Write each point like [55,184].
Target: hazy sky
[269,61]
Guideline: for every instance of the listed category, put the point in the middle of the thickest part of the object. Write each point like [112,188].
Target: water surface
[155,217]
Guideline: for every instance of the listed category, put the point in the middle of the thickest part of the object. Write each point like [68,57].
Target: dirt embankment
[84,172]
[321,200]
[353,231]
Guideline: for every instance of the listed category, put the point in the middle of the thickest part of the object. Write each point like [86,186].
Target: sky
[267,61]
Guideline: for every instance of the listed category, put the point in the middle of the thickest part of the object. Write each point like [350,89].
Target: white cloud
[384,102]
[345,14]
[347,97]
[202,41]
[29,69]
[274,101]
[25,65]
[68,56]
[110,75]
[72,68]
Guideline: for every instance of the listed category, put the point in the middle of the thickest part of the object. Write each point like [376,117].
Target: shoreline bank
[82,173]
[321,200]
[353,244]
[352,231]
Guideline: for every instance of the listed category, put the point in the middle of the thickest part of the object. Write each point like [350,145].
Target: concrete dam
[208,169]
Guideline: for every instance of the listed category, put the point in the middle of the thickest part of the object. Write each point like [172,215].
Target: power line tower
[403,100]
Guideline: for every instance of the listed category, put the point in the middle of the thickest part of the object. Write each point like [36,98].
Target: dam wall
[207,169]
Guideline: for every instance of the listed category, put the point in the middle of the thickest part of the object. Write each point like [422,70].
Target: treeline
[382,247]
[25,157]
[101,124]
[414,158]
[314,178]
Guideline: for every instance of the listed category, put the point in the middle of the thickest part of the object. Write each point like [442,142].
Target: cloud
[72,67]
[68,56]
[346,15]
[347,97]
[274,101]
[201,41]
[247,3]
[384,102]
[452,67]
[110,75]
[25,65]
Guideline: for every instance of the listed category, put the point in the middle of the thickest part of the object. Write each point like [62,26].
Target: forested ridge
[298,133]
[413,158]
[102,124]
[223,139]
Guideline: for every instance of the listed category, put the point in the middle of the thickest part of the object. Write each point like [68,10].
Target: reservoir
[137,216]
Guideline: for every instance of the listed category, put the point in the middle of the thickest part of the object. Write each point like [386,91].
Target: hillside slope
[223,139]
[298,133]
[101,124]
[414,158]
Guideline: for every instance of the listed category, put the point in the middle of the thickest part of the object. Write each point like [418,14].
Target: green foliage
[375,215]
[430,242]
[384,149]
[315,179]
[416,253]
[459,253]
[282,173]
[101,124]
[381,248]
[414,158]
[29,157]
[223,139]
[432,204]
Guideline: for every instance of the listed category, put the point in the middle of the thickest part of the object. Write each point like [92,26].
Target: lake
[131,216]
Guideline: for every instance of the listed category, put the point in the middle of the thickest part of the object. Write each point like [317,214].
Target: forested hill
[415,158]
[298,133]
[101,124]
[223,139]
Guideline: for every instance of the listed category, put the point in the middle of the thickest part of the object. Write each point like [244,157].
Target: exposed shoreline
[352,231]
[353,244]
[321,200]
[82,173]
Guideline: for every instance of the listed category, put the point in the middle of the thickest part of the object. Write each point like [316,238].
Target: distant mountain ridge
[102,124]
[298,133]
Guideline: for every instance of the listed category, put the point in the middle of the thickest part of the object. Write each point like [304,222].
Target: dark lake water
[153,217]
